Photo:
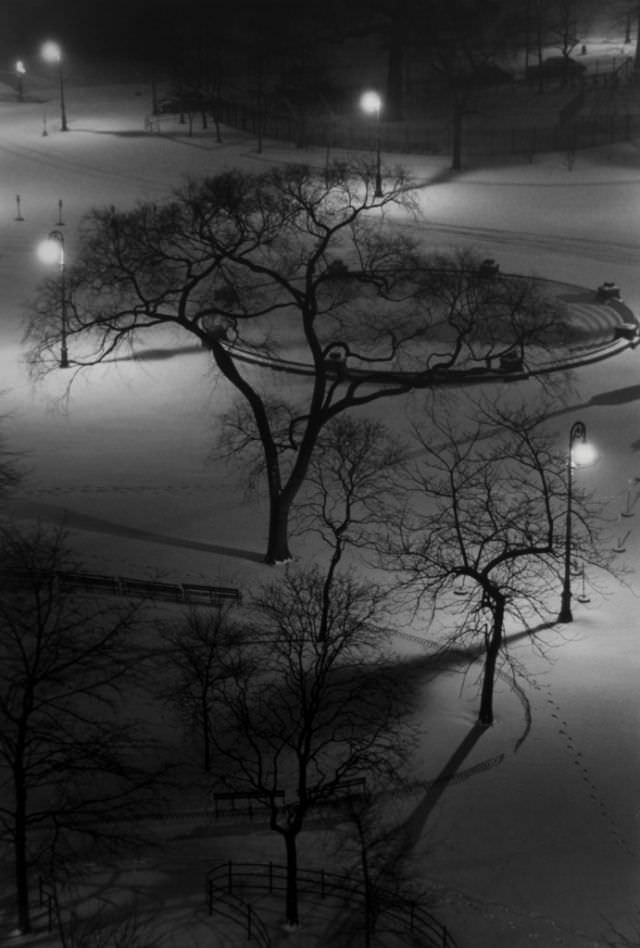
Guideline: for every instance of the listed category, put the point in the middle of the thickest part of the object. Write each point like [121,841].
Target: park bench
[340,790]
[149,589]
[209,594]
[248,798]
[88,581]
[192,593]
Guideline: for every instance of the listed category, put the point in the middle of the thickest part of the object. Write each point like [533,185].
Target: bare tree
[371,833]
[461,40]
[69,757]
[199,654]
[349,473]
[249,264]
[316,707]
[483,526]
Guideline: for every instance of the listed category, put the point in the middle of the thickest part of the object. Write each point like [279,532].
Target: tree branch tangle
[278,259]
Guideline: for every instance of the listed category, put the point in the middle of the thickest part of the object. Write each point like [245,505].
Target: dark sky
[118,27]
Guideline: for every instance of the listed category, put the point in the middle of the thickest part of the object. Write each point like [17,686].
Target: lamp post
[53,54]
[371,103]
[51,251]
[20,71]
[580,453]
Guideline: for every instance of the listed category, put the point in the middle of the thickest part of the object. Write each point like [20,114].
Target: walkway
[600,328]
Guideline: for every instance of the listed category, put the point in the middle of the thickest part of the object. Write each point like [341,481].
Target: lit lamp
[371,103]
[581,453]
[51,252]
[53,54]
[20,71]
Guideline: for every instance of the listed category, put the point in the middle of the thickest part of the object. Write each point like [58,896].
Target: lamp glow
[50,251]
[51,52]
[580,453]
[583,453]
[371,102]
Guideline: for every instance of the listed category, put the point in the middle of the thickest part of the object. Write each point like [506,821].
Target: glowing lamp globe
[583,453]
[371,102]
[50,251]
[51,52]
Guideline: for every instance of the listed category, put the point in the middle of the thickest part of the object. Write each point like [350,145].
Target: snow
[540,844]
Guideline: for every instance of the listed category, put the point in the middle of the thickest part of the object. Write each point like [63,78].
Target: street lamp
[20,71]
[580,453]
[51,251]
[53,54]
[371,103]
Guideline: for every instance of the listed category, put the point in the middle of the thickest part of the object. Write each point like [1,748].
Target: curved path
[604,328]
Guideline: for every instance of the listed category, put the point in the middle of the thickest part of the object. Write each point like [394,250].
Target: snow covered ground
[541,846]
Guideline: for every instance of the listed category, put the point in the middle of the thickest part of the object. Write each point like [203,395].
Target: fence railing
[270,119]
[236,910]
[271,877]
[79,582]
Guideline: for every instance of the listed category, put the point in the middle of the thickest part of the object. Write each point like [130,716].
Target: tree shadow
[450,657]
[412,827]
[151,355]
[66,518]
[615,396]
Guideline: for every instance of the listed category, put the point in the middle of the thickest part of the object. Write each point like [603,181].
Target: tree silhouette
[252,265]
[315,707]
[481,528]
[69,758]
[199,653]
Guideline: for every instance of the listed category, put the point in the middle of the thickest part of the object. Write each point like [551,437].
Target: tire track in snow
[59,163]
[617,252]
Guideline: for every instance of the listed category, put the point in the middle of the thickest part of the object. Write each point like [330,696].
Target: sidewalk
[600,329]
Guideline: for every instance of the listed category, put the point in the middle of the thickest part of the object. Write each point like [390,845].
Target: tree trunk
[21,868]
[278,540]
[293,919]
[206,736]
[493,645]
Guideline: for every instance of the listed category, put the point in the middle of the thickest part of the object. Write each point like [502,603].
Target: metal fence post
[270,877]
[229,877]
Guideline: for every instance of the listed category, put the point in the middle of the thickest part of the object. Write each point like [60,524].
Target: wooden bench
[248,797]
[148,589]
[340,790]
[194,592]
